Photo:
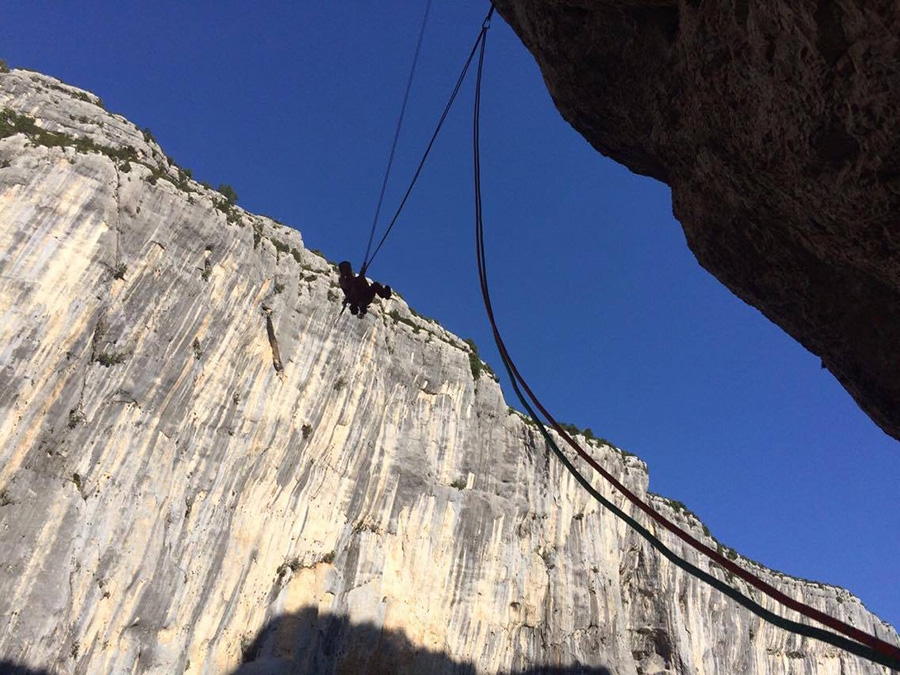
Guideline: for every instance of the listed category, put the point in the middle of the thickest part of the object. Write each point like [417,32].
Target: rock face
[205,468]
[776,125]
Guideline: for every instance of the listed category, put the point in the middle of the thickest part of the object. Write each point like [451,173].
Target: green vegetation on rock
[477,366]
[107,359]
[229,193]
[12,123]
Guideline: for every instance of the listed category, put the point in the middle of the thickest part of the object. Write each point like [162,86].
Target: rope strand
[456,88]
[387,171]
[872,648]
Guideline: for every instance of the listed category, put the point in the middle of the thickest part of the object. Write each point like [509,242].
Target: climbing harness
[856,641]
[387,171]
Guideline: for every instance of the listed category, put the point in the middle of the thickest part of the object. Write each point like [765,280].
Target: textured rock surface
[776,124]
[193,450]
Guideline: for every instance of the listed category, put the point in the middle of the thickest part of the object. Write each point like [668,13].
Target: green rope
[804,630]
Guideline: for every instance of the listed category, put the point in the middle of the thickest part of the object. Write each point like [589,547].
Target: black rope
[387,171]
[884,657]
[456,88]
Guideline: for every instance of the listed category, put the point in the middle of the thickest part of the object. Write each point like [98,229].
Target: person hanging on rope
[358,292]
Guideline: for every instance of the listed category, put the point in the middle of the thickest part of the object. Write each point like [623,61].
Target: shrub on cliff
[229,193]
[475,363]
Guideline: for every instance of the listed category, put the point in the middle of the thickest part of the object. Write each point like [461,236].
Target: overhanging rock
[775,124]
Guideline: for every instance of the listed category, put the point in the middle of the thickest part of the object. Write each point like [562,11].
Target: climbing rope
[443,117]
[387,171]
[862,644]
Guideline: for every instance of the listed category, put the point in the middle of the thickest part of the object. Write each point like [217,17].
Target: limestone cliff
[204,467]
[776,125]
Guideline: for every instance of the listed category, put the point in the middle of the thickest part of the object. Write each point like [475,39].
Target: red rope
[875,643]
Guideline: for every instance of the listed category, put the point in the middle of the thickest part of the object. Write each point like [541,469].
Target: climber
[358,293]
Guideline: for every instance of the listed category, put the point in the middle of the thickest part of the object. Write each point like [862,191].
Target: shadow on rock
[309,642]
[570,670]
[10,668]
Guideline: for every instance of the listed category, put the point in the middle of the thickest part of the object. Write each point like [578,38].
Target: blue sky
[606,311]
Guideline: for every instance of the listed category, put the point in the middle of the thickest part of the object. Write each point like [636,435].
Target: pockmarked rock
[205,468]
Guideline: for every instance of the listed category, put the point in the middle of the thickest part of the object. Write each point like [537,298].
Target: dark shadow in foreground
[570,670]
[309,642]
[10,668]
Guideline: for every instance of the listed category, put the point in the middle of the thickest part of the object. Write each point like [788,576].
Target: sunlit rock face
[205,467]
[776,125]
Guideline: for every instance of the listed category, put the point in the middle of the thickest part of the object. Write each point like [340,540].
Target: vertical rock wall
[197,446]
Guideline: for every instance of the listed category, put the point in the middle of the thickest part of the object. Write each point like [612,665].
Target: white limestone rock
[171,501]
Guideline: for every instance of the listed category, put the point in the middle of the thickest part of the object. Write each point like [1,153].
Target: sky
[604,308]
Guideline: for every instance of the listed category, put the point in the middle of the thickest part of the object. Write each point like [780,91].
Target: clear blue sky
[608,314]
